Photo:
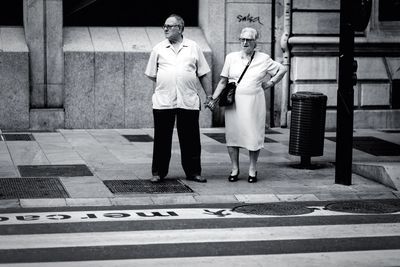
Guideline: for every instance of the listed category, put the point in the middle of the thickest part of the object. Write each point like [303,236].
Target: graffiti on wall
[249,18]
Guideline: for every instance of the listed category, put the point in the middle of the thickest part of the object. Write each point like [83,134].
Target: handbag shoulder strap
[247,66]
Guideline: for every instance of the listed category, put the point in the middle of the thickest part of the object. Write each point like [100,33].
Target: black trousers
[187,124]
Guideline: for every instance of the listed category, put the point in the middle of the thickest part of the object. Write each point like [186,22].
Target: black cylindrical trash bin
[307,126]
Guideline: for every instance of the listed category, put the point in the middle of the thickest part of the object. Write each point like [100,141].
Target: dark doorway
[396,94]
[127,12]
[11,13]
[389,10]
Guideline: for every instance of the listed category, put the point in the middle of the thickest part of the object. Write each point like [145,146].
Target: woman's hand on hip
[267,84]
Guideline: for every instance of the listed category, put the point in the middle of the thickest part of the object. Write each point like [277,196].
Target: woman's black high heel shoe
[233,178]
[252,179]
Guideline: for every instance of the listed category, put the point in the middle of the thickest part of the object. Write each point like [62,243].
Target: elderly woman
[245,119]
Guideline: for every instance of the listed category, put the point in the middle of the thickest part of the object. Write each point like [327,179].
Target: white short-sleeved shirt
[176,74]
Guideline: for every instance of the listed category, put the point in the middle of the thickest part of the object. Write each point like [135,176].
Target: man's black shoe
[196,178]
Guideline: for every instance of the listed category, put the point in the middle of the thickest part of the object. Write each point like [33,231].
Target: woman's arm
[276,78]
[213,100]
[221,85]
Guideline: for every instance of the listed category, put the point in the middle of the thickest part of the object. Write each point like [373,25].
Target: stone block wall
[314,44]
[105,85]
[315,17]
[14,79]
[372,91]
[255,14]
[317,74]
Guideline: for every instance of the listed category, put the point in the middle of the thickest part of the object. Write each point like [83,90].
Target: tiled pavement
[110,155]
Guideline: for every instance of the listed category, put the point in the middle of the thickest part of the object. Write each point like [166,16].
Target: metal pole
[287,24]
[345,97]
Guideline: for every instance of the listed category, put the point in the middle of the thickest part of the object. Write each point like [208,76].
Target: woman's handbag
[227,96]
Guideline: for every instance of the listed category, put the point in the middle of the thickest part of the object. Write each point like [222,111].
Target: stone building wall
[314,46]
[91,77]
[104,81]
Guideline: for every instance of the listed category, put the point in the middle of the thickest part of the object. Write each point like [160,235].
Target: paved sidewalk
[111,156]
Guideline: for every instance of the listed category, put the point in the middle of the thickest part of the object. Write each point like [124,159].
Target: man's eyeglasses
[246,40]
[169,27]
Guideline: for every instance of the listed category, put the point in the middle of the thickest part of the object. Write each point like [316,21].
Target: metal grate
[374,146]
[273,209]
[18,137]
[220,137]
[362,207]
[138,138]
[13,188]
[145,186]
[54,170]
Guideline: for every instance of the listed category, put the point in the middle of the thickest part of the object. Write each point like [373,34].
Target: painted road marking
[152,237]
[370,258]
[144,214]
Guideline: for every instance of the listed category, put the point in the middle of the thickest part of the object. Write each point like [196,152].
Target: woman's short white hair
[252,31]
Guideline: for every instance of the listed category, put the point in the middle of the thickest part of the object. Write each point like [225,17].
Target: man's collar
[183,43]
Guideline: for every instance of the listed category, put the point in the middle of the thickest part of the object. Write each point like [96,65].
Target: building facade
[80,63]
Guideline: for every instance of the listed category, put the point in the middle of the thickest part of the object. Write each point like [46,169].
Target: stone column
[54,54]
[43,26]
[34,22]
[212,22]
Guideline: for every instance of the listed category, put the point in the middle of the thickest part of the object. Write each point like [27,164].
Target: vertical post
[345,97]
[287,24]
[272,89]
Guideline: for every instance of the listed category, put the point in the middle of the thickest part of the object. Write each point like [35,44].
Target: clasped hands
[211,103]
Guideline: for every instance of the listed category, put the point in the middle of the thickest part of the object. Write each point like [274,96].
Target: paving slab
[73,202]
[131,201]
[256,198]
[9,203]
[168,200]
[44,202]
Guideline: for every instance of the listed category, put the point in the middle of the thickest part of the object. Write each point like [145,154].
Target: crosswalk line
[370,258]
[197,236]
[26,218]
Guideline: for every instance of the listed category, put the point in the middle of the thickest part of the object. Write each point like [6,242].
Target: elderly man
[176,65]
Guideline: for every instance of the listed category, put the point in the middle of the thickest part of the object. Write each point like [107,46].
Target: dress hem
[250,149]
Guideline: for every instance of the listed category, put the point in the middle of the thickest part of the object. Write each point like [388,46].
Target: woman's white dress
[245,119]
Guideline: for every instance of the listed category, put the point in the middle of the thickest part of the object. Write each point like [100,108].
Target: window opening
[127,12]
[396,94]
[11,13]
[389,10]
